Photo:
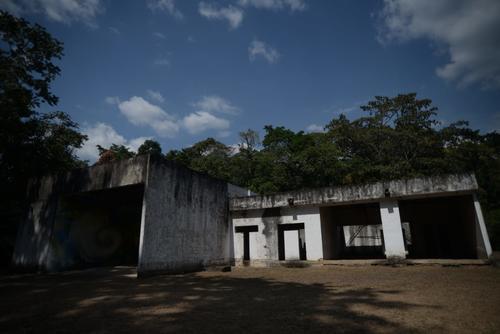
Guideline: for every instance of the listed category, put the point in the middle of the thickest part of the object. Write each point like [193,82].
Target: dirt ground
[336,299]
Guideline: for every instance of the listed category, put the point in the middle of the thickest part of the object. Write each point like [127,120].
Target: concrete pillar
[485,247]
[393,232]
[314,240]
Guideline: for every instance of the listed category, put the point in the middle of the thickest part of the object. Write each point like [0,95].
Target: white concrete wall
[264,242]
[312,225]
[238,245]
[258,240]
[185,221]
[393,232]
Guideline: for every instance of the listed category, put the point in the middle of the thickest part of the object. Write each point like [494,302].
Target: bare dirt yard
[335,299]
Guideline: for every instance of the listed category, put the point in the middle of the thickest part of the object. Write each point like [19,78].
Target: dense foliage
[31,143]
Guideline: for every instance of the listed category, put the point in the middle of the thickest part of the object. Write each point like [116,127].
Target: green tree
[150,147]
[397,139]
[243,162]
[113,153]
[208,156]
[293,160]
[32,143]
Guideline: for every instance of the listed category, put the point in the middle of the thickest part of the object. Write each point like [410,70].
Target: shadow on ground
[113,300]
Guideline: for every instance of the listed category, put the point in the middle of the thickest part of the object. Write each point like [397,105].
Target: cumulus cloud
[201,121]
[167,6]
[467,29]
[143,113]
[104,135]
[233,15]
[261,49]
[214,103]
[65,11]
[293,5]
[315,128]
[156,96]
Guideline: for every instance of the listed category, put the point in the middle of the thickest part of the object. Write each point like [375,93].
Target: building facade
[162,217]
[433,217]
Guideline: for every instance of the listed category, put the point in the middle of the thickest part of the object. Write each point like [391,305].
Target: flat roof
[404,188]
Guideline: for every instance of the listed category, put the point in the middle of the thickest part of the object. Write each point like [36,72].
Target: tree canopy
[150,147]
[32,142]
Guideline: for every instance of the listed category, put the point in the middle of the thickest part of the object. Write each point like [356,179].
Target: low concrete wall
[185,224]
[428,186]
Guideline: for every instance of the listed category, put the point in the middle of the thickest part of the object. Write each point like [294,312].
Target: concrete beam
[417,187]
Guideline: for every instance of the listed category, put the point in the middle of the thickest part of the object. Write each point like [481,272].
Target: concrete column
[485,248]
[314,241]
[393,232]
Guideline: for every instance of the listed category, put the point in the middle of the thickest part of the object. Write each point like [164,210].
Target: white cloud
[259,48]
[293,5]
[164,61]
[203,118]
[143,113]
[167,6]
[200,121]
[114,30]
[159,35]
[214,103]
[315,128]
[467,29]
[156,96]
[112,100]
[233,15]
[104,135]
[65,11]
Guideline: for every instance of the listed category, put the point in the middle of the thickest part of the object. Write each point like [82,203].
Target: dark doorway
[99,228]
[246,238]
[442,227]
[352,232]
[301,240]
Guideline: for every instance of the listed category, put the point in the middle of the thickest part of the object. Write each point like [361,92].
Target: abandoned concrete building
[163,217]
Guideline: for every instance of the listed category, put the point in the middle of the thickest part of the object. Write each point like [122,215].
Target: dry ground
[333,299]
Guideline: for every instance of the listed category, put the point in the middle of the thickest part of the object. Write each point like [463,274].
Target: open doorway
[440,227]
[352,232]
[245,231]
[291,242]
[99,228]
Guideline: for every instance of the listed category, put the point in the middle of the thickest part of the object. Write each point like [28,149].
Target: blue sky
[181,71]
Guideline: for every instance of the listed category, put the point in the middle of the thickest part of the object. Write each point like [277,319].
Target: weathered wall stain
[427,186]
